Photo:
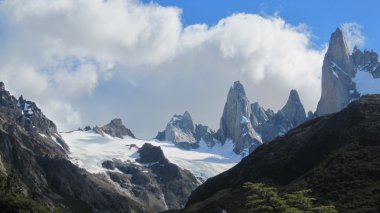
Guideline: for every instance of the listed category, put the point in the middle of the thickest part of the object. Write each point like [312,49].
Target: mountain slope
[337,156]
[35,174]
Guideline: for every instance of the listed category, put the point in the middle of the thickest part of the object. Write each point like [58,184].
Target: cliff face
[342,75]
[235,123]
[337,72]
[181,130]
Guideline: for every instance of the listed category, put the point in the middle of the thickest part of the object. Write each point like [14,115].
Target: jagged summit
[345,76]
[339,53]
[260,115]
[181,130]
[184,133]
[235,123]
[35,167]
[367,61]
[293,109]
[115,128]
[337,73]
[238,88]
[30,118]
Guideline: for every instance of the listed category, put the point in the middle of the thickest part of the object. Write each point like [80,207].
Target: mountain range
[336,156]
[333,151]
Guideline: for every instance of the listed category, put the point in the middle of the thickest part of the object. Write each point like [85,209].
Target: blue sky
[322,16]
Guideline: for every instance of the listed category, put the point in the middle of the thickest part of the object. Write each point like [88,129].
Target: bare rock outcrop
[235,123]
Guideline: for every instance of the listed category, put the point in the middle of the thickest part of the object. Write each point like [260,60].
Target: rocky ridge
[289,117]
[35,173]
[247,125]
[153,180]
[115,128]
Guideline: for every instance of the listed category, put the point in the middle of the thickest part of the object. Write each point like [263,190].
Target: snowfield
[88,150]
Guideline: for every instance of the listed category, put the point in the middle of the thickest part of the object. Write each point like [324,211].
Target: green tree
[300,201]
[264,198]
[267,199]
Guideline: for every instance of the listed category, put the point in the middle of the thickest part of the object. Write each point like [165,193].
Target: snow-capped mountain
[345,76]
[35,174]
[244,124]
[184,133]
[89,149]
[117,172]
[149,171]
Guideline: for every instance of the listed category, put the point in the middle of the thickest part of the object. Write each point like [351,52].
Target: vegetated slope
[336,156]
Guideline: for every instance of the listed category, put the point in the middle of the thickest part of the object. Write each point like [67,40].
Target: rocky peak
[115,128]
[151,154]
[293,109]
[2,86]
[337,72]
[7,101]
[183,122]
[338,53]
[276,124]
[185,134]
[206,134]
[367,61]
[259,114]
[28,107]
[235,123]
[238,88]
[28,116]
[116,122]
[181,129]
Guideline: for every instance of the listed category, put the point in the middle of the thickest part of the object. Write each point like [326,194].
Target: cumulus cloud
[88,61]
[353,35]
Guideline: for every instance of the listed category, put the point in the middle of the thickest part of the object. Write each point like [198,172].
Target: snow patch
[244,120]
[333,66]
[42,135]
[56,141]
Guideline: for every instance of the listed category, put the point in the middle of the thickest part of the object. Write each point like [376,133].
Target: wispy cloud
[353,35]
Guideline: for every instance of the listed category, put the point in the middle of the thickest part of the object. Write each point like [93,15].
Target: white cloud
[90,60]
[353,35]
